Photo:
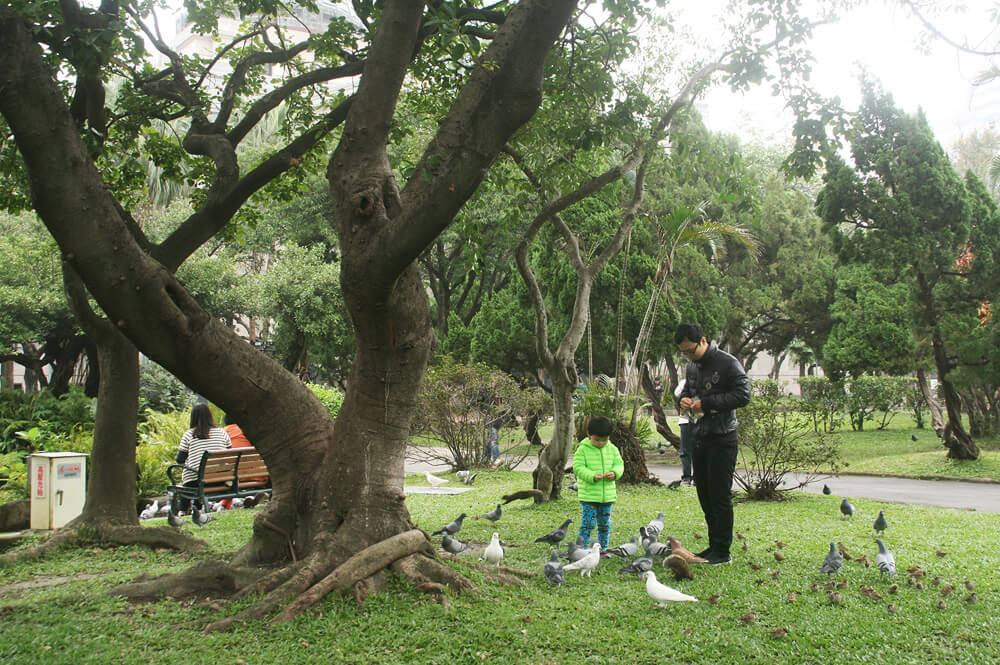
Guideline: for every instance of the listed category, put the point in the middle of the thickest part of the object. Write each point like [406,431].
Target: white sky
[886,39]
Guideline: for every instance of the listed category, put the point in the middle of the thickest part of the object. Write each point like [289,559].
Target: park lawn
[606,619]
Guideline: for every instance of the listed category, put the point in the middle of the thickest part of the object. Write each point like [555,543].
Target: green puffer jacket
[588,462]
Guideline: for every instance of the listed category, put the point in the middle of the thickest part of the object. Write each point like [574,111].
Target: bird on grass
[627,549]
[832,562]
[655,526]
[846,509]
[434,480]
[679,566]
[463,474]
[493,516]
[494,551]
[173,519]
[200,518]
[453,545]
[880,524]
[150,511]
[663,594]
[827,490]
[468,480]
[678,549]
[575,551]
[659,549]
[884,560]
[451,528]
[555,536]
[554,570]
[913,437]
[587,564]
[639,566]
[674,485]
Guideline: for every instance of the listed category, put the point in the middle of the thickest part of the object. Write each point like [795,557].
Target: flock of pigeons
[199,517]
[585,559]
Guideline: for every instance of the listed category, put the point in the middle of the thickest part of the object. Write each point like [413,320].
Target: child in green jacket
[597,464]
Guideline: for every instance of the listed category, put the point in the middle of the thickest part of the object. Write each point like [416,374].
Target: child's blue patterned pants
[599,514]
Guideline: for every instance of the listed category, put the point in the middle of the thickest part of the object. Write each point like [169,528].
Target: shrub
[777,439]
[332,398]
[13,477]
[823,402]
[867,395]
[43,418]
[161,391]
[458,401]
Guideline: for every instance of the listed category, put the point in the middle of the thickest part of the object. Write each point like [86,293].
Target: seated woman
[203,437]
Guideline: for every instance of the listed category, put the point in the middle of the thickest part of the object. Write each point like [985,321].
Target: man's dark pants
[714,460]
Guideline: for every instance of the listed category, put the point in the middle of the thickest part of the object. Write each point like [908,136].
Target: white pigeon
[149,512]
[663,594]
[885,561]
[434,480]
[237,503]
[494,551]
[587,564]
[164,509]
[463,474]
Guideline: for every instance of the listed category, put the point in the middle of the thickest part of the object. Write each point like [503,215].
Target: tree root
[80,533]
[207,579]
[361,566]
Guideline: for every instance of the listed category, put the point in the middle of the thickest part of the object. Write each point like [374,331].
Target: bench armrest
[170,474]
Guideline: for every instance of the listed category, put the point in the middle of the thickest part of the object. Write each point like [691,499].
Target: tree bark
[937,418]
[958,442]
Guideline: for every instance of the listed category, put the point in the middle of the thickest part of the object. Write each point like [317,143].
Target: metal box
[58,484]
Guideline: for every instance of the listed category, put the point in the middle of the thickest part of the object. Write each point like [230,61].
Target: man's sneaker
[704,553]
[719,559]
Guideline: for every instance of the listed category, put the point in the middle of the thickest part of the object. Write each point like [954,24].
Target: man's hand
[688,404]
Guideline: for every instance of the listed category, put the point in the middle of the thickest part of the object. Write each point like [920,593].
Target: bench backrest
[245,465]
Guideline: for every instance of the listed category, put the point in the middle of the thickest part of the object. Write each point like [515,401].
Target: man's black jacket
[722,385]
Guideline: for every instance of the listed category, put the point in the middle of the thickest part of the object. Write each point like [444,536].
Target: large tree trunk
[958,442]
[553,458]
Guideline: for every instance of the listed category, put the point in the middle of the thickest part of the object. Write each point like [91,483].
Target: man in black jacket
[716,386]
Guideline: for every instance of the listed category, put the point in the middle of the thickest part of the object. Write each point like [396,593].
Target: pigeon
[555,536]
[574,487]
[453,545]
[827,490]
[846,509]
[646,538]
[587,564]
[452,527]
[679,566]
[150,511]
[463,474]
[575,552]
[626,550]
[674,485]
[468,480]
[832,562]
[880,524]
[554,570]
[493,515]
[659,549]
[678,549]
[655,526]
[237,503]
[164,509]
[639,566]
[884,560]
[218,507]
[913,437]
[251,501]
[173,519]
[434,480]
[663,594]
[200,518]
[494,551]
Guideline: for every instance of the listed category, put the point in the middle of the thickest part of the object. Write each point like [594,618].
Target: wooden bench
[222,474]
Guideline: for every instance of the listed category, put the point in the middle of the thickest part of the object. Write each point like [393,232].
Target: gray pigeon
[645,538]
[554,570]
[452,527]
[149,512]
[913,437]
[200,518]
[885,561]
[655,526]
[674,485]
[827,490]
[659,549]
[846,509]
[639,566]
[555,536]
[493,515]
[576,551]
[453,545]
[626,550]
[173,519]
[832,562]
[462,474]
[880,524]
[468,480]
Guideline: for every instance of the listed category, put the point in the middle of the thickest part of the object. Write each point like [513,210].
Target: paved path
[958,494]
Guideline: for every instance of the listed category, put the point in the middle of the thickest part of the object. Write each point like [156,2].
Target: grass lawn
[58,611]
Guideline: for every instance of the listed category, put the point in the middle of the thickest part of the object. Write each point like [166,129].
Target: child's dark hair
[202,421]
[599,426]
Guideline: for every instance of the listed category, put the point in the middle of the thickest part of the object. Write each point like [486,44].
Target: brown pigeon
[678,549]
[679,566]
